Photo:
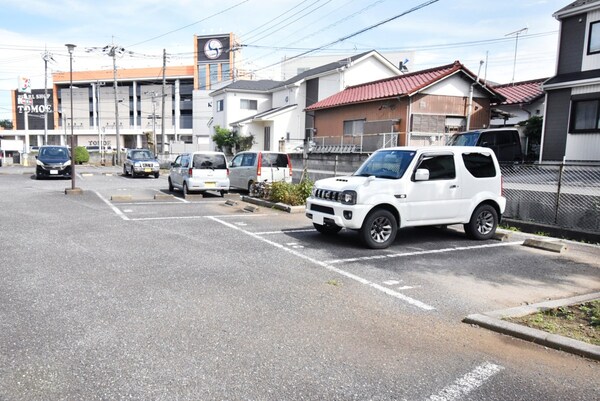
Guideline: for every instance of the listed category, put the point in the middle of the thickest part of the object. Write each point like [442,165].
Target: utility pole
[47,57]
[164,83]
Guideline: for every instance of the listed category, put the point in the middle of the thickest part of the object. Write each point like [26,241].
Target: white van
[199,172]
[246,168]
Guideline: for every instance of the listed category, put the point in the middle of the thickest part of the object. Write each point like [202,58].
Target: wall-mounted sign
[33,104]
[24,85]
[213,48]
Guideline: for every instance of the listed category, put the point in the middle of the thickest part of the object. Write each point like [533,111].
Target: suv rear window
[206,161]
[479,165]
[275,160]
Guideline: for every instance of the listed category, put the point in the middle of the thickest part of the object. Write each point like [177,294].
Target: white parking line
[417,253]
[467,383]
[113,207]
[286,231]
[327,266]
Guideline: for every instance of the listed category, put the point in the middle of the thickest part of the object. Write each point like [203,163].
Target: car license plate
[54,172]
[210,184]
[147,170]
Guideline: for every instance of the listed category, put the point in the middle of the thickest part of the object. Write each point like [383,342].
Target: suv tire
[185,190]
[171,188]
[379,229]
[483,223]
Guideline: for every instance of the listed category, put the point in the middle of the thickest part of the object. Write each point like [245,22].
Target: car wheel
[379,229]
[132,172]
[171,188]
[156,175]
[483,223]
[250,188]
[223,192]
[327,229]
[185,190]
[125,170]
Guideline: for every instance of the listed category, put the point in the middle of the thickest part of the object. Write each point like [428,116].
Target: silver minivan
[249,167]
[199,172]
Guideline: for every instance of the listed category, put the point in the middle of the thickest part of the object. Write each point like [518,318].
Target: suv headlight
[348,198]
[137,164]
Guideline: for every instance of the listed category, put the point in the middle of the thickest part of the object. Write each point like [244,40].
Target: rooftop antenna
[516,33]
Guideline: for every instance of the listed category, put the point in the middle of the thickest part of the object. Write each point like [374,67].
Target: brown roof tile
[521,92]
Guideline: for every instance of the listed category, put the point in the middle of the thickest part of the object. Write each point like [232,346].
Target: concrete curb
[493,321]
[273,205]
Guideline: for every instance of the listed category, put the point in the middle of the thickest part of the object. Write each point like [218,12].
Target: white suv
[409,186]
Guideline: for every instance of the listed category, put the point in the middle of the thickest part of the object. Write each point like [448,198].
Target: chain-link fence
[561,195]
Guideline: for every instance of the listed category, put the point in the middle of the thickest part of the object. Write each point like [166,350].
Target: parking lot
[128,292]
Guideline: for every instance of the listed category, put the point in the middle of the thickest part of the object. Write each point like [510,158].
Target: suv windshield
[464,139]
[141,155]
[386,164]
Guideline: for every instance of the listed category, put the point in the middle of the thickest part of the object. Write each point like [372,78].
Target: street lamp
[71,47]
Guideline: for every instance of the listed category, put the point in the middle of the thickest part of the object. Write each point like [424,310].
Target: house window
[585,116]
[594,38]
[354,127]
[247,104]
[220,105]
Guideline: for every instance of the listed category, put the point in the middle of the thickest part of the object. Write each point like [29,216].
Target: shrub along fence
[561,195]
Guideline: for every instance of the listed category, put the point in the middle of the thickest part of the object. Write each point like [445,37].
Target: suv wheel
[171,188]
[156,175]
[379,229]
[327,229]
[483,223]
[125,170]
[185,190]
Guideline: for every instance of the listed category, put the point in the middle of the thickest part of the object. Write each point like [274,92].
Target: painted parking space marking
[113,207]
[295,245]
[468,383]
[391,282]
[419,253]
[386,290]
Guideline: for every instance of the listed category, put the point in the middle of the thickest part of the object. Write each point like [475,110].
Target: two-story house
[419,108]
[572,118]
[273,112]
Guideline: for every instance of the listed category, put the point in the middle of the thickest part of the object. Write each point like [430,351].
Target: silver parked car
[141,162]
[199,172]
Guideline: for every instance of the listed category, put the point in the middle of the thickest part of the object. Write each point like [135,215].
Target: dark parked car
[53,161]
[505,142]
[141,162]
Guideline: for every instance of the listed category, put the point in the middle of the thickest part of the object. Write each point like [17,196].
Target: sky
[433,32]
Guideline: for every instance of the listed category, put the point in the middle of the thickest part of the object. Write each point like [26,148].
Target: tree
[6,124]
[230,141]
[533,133]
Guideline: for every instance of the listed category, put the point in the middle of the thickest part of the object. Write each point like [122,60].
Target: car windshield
[386,164]
[55,153]
[141,154]
[464,139]
[206,161]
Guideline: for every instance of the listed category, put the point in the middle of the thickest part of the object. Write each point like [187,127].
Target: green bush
[81,155]
[290,194]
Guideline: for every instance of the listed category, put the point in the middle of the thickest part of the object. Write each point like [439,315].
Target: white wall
[368,70]
[455,85]
[591,61]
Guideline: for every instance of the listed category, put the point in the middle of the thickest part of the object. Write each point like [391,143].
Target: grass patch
[580,322]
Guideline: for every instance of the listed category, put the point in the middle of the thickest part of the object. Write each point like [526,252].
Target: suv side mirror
[422,174]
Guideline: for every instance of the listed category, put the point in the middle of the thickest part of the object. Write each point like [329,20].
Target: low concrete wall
[323,165]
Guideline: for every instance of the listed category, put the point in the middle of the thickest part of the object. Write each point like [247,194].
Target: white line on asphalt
[467,383]
[327,266]
[391,282]
[417,253]
[113,207]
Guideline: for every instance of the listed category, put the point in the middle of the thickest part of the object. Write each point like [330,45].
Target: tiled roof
[402,85]
[521,92]
[322,69]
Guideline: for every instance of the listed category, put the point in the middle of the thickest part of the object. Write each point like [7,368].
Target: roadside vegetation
[579,322]
[283,192]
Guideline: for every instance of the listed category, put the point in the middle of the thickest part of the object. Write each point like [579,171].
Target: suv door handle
[453,186]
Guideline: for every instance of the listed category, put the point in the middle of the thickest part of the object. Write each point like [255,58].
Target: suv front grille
[322,209]
[147,164]
[328,195]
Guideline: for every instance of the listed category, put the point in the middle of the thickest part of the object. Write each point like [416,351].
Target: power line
[192,24]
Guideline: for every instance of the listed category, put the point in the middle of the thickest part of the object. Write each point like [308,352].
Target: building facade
[572,118]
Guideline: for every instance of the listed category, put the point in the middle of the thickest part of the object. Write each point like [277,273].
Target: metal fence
[354,143]
[561,195]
